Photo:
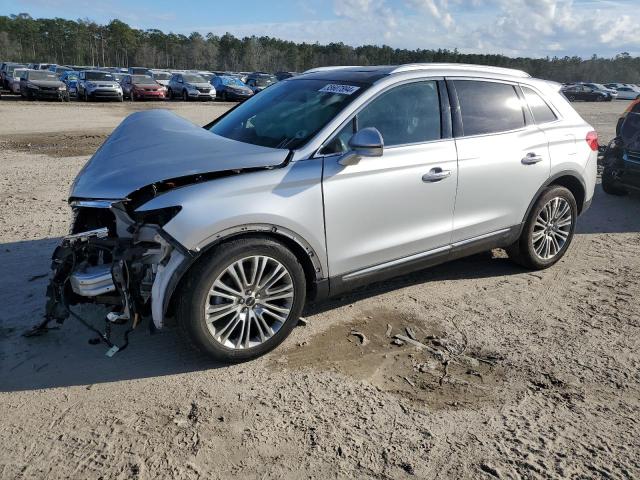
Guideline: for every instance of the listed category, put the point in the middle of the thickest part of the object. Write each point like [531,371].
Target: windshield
[232,82]
[99,76]
[143,79]
[207,76]
[162,76]
[288,114]
[42,75]
[193,79]
[265,81]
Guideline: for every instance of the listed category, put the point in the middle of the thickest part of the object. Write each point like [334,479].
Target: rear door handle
[435,175]
[531,158]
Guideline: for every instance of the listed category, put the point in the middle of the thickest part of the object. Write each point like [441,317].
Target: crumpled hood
[156,145]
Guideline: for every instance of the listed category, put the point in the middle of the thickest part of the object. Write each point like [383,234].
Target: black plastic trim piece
[446,121]
[456,116]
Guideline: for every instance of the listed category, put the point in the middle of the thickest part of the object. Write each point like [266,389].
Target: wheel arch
[311,265]
[569,179]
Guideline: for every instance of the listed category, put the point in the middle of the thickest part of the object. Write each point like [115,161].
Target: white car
[628,93]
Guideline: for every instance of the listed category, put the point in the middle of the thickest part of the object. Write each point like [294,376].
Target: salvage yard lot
[548,386]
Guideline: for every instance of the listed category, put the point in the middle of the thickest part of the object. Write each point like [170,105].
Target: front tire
[185,96]
[243,300]
[548,231]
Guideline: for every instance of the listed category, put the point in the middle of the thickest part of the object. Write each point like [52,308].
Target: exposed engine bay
[110,258]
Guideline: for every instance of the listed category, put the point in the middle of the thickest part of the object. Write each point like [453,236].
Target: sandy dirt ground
[543,379]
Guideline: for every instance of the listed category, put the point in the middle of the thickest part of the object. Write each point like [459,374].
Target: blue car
[230,88]
[70,79]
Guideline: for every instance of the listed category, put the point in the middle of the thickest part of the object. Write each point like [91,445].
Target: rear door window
[488,107]
[542,113]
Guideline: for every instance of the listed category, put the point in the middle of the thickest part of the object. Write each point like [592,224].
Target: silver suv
[322,183]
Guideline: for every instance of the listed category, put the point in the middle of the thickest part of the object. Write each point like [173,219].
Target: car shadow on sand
[64,357]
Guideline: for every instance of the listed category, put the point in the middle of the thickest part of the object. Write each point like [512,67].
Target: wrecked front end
[117,258]
[117,253]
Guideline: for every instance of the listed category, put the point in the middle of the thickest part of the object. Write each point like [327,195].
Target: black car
[622,158]
[586,93]
[42,84]
[284,75]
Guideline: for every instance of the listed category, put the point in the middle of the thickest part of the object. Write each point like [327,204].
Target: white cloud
[511,27]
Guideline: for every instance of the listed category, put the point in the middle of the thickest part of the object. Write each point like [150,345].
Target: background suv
[97,84]
[324,182]
[190,86]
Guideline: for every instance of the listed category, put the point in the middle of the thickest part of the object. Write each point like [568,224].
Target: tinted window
[541,111]
[407,114]
[488,107]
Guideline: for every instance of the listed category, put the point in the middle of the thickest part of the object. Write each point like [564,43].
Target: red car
[142,87]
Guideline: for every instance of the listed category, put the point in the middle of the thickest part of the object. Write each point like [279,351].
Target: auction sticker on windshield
[340,89]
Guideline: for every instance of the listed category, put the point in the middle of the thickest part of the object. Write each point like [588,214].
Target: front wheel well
[310,272]
[574,186]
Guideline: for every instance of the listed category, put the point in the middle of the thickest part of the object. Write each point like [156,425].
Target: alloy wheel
[249,302]
[552,228]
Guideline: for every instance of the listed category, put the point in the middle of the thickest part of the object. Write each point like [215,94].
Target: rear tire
[203,282]
[609,184]
[548,231]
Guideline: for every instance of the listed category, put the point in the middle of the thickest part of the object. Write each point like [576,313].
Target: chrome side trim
[93,203]
[393,263]
[480,237]
[83,236]
[418,256]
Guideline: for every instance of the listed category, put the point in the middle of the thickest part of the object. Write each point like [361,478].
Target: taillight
[592,141]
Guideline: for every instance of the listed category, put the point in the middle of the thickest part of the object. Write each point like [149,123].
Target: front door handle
[435,175]
[531,158]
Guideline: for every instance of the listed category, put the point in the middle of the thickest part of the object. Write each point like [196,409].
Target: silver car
[190,86]
[97,84]
[324,182]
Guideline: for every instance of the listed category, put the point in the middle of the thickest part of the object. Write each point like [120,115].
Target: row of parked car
[63,82]
[596,92]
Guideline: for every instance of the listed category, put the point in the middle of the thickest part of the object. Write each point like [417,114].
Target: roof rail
[460,66]
[325,69]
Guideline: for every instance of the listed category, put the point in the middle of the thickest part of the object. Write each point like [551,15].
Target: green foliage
[83,42]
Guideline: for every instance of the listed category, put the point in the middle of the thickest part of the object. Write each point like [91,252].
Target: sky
[535,28]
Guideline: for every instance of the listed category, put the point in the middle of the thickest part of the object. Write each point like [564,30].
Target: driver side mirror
[367,142]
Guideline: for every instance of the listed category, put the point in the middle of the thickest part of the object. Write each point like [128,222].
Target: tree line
[85,42]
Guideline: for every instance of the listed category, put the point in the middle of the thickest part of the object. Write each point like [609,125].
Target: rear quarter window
[488,107]
[541,111]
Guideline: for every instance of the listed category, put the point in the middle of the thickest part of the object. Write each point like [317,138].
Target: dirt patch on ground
[559,398]
[59,144]
[446,372]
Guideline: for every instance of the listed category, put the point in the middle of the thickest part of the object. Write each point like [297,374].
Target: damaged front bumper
[117,259]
